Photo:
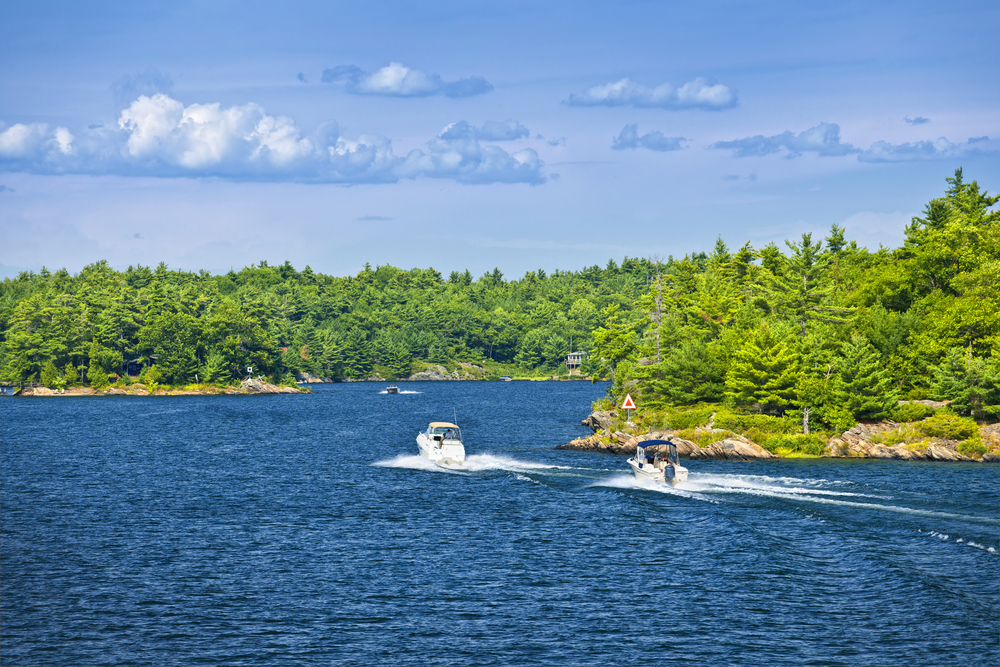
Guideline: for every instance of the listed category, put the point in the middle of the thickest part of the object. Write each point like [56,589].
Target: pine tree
[971,383]
[867,384]
[690,373]
[763,372]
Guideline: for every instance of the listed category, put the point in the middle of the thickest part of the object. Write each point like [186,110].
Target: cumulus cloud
[456,153]
[301,77]
[696,94]
[4,188]
[919,120]
[397,80]
[654,141]
[210,136]
[882,151]
[160,136]
[824,139]
[22,143]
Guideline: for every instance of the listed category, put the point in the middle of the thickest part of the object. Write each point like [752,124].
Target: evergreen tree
[763,372]
[867,385]
[689,374]
[50,375]
[971,383]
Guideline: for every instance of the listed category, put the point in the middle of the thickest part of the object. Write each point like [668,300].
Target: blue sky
[212,135]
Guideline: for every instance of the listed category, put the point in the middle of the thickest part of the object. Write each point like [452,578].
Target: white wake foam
[629,481]
[414,462]
[473,463]
[402,391]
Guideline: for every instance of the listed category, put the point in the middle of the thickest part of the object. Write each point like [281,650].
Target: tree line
[820,329]
[178,327]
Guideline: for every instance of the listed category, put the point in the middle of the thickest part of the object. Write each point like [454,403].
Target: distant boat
[655,468]
[442,444]
[506,378]
[392,389]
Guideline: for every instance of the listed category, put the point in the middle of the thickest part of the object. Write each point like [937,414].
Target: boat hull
[446,453]
[663,474]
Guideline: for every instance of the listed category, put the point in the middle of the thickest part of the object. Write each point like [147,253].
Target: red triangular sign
[629,404]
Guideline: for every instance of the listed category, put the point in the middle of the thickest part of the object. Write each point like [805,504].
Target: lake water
[283,530]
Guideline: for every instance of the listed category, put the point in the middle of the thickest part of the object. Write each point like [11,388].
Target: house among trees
[573,360]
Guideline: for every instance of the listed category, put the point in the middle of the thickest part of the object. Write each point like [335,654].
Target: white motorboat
[392,389]
[442,444]
[656,467]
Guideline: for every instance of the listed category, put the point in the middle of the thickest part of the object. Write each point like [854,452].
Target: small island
[713,432]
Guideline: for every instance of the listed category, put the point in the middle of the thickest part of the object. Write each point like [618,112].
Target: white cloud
[64,140]
[693,94]
[883,151]
[159,136]
[823,139]
[655,141]
[20,140]
[457,153]
[397,80]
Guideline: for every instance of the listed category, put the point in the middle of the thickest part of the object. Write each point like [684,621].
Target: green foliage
[760,424]
[798,443]
[867,386]
[689,418]
[974,448]
[51,377]
[971,383]
[690,374]
[948,427]
[763,373]
[911,412]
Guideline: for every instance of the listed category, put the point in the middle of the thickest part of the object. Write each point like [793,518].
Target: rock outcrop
[436,373]
[857,442]
[252,386]
[617,442]
[733,450]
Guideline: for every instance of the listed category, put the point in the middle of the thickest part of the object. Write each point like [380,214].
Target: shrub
[689,419]
[51,377]
[797,443]
[948,427]
[911,412]
[973,448]
[836,417]
[759,424]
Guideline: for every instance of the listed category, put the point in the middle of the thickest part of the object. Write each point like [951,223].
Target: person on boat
[448,435]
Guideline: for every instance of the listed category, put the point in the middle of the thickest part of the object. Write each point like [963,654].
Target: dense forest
[824,330]
[384,322]
[819,330]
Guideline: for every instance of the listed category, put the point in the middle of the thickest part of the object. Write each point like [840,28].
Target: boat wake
[416,462]
[819,491]
[629,481]
[402,391]
[473,463]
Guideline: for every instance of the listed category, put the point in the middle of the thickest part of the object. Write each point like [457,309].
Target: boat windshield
[447,432]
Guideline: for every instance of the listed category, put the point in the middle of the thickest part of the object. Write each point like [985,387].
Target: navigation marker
[629,405]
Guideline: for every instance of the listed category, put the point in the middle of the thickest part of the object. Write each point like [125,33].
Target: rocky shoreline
[248,387]
[855,443]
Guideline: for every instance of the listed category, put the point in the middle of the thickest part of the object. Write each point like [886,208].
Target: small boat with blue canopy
[658,461]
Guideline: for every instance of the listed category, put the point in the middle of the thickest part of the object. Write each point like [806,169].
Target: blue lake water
[282,530]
